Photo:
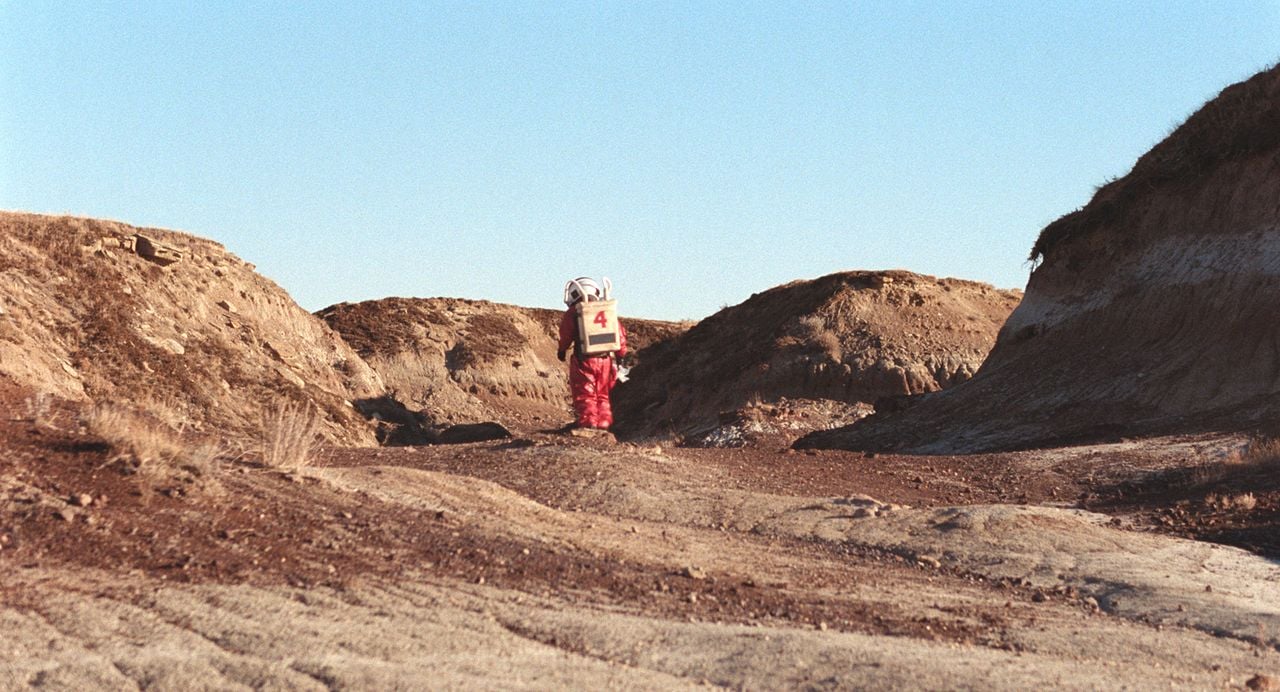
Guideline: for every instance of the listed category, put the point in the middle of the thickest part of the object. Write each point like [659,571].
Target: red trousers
[590,381]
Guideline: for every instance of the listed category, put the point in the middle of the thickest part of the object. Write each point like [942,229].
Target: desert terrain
[873,479]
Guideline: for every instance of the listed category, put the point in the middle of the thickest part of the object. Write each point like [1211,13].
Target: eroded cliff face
[1154,309]
[451,360]
[852,337]
[169,324]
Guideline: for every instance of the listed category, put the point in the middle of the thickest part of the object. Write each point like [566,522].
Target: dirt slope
[849,337]
[203,343]
[1153,310]
[465,361]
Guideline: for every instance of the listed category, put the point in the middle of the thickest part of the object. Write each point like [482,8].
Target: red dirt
[264,527]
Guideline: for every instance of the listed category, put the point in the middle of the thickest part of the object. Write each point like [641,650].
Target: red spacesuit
[591,378]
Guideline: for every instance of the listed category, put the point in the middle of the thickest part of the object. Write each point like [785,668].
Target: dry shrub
[153,451]
[813,330]
[1242,501]
[1232,479]
[133,437]
[290,436]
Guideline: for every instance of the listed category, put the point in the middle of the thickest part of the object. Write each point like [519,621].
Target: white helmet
[584,287]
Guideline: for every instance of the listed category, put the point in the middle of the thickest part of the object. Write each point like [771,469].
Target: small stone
[693,572]
[82,500]
[822,626]
[863,513]
[228,306]
[693,598]
[1039,597]
[1263,682]
[65,514]
[1208,588]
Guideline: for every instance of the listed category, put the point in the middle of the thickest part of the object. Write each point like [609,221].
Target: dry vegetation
[488,339]
[1241,122]
[153,451]
[290,436]
[1260,460]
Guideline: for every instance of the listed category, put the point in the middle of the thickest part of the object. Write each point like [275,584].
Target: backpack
[597,327]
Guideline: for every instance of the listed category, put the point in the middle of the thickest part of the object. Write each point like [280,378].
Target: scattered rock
[1263,682]
[65,514]
[81,500]
[472,432]
[155,251]
[228,306]
[693,572]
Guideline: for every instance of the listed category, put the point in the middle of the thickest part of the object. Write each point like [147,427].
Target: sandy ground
[553,561]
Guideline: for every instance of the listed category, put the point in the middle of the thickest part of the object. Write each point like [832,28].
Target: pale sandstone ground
[1169,612]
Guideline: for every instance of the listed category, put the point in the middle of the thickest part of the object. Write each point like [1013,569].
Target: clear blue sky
[695,152]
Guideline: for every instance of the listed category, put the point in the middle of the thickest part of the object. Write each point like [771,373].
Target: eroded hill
[167,323]
[854,337]
[465,361]
[1153,309]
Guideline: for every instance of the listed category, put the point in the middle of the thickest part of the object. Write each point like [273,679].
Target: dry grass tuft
[1229,483]
[155,452]
[133,437]
[290,436]
[1243,501]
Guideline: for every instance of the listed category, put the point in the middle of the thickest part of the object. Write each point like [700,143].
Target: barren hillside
[91,311]
[467,361]
[1153,309]
[855,337]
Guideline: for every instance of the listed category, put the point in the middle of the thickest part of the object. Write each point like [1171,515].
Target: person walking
[590,326]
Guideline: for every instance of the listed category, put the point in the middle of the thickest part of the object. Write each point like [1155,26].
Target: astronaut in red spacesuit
[591,377]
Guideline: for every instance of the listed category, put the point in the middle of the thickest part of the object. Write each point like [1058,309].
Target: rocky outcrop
[167,323]
[850,337]
[1153,309]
